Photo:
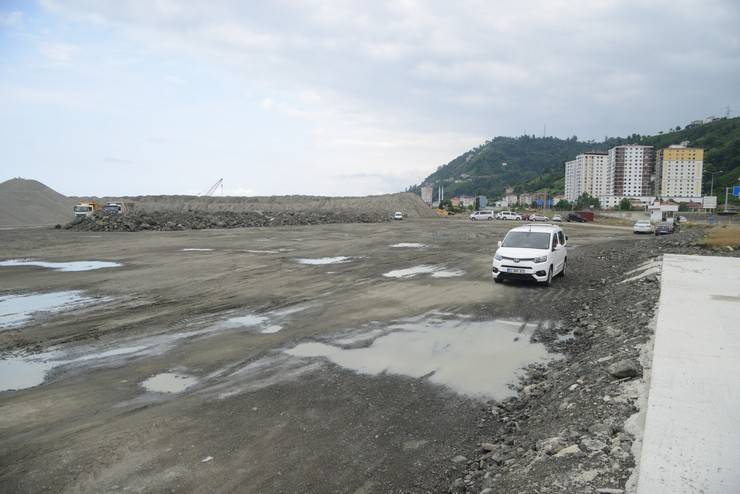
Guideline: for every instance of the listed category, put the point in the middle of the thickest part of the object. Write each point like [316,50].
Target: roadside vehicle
[575,218]
[508,215]
[531,252]
[481,215]
[557,218]
[398,215]
[664,228]
[643,226]
[538,217]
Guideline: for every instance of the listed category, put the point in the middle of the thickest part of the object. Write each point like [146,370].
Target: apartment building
[629,170]
[678,170]
[587,173]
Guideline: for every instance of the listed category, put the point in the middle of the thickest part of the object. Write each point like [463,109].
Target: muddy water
[474,358]
[325,260]
[409,245]
[17,310]
[434,271]
[62,266]
[21,373]
[169,382]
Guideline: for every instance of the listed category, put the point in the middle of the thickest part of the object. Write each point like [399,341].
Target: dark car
[664,228]
[575,217]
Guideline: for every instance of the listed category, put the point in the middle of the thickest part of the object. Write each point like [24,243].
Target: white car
[538,217]
[643,226]
[557,218]
[481,215]
[508,215]
[531,252]
[398,215]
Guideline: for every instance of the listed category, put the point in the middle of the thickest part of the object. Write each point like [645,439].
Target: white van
[508,215]
[531,252]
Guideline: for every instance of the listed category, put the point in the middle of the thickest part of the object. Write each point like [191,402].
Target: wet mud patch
[324,260]
[169,382]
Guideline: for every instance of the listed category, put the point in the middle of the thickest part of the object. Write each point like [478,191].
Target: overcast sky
[337,98]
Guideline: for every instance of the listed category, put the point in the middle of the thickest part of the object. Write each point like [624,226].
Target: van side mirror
[499,243]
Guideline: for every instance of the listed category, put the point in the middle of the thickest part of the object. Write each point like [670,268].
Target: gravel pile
[200,220]
[572,426]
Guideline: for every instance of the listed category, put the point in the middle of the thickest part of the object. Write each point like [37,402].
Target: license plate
[516,270]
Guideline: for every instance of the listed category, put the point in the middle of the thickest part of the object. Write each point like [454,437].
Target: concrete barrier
[691,441]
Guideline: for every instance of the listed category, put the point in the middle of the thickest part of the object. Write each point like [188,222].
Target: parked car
[538,217]
[481,215]
[531,252]
[398,215]
[664,228]
[508,215]
[643,226]
[557,218]
[575,218]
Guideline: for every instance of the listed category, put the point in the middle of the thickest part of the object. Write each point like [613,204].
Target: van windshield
[527,240]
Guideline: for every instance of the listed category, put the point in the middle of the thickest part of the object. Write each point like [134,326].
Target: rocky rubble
[565,432]
[200,220]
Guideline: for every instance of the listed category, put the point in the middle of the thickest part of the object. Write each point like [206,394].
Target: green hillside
[530,164]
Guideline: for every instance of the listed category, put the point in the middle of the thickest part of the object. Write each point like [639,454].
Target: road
[251,410]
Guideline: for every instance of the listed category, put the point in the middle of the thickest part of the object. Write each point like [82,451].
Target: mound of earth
[199,220]
[31,203]
[410,204]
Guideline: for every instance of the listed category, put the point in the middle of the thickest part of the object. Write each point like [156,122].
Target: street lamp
[711,189]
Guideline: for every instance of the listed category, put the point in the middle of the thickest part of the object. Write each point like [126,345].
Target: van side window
[561,237]
[554,241]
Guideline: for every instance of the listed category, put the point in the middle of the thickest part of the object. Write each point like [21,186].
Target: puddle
[22,372]
[263,251]
[169,382]
[325,260]
[474,358]
[410,245]
[195,249]
[17,310]
[434,271]
[62,266]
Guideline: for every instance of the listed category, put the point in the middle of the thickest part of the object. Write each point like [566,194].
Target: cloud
[58,53]
[11,19]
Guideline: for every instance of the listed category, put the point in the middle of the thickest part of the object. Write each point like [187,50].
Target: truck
[86,208]
[113,208]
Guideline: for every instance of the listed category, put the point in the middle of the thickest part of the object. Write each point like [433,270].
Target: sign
[736,190]
[709,202]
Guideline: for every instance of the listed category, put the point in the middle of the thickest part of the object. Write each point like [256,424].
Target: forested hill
[530,164]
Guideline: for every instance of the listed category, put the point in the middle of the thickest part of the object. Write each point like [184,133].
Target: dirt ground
[255,419]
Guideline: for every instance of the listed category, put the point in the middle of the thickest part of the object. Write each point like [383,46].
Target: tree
[585,201]
[477,203]
[445,204]
[562,205]
[625,204]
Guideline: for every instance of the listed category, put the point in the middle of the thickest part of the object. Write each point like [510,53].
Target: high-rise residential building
[630,170]
[426,194]
[586,173]
[678,171]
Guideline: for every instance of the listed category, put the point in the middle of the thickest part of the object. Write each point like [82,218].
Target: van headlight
[540,259]
[498,257]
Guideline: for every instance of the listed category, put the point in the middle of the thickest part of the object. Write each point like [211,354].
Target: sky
[348,97]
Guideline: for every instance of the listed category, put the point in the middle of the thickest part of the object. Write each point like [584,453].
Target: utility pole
[727,190]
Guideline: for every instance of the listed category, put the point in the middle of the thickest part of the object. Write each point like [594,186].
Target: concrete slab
[692,438]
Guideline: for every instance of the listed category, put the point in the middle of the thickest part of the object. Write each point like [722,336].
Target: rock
[489,446]
[459,459]
[593,445]
[573,449]
[624,368]
[551,445]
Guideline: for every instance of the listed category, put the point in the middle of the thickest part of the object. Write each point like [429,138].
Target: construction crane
[212,189]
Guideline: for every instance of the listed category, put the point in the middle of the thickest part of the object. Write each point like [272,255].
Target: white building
[630,170]
[611,202]
[587,173]
[678,170]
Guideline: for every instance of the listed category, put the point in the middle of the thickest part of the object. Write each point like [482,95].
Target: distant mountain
[31,203]
[531,164]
